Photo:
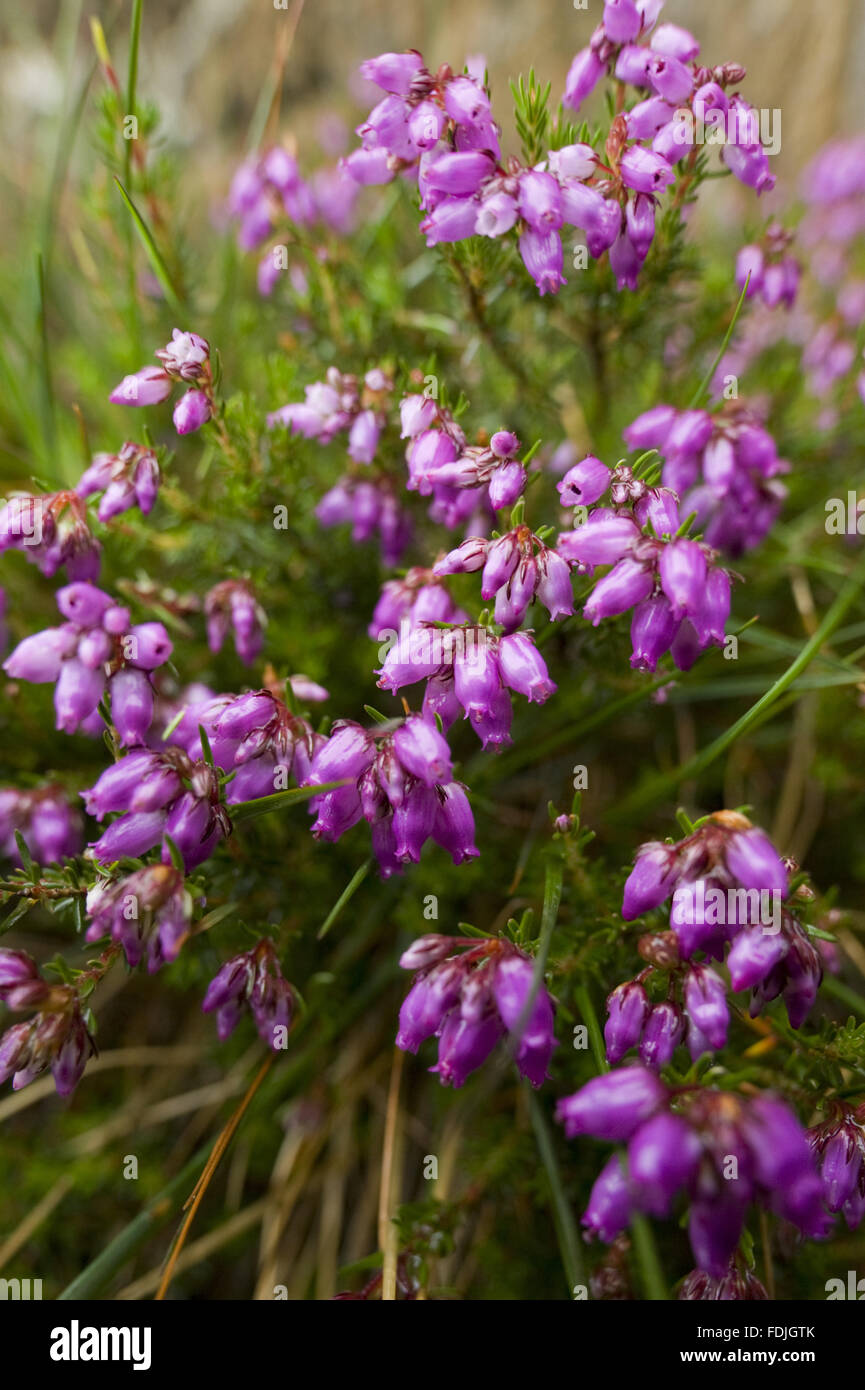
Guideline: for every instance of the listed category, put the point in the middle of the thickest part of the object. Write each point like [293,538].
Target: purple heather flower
[428,1002]
[255,981]
[76,655]
[50,531]
[670,77]
[131,705]
[662,1033]
[839,1147]
[675,41]
[627,1011]
[232,606]
[459,173]
[584,74]
[663,1156]
[613,1106]
[585,483]
[401,785]
[682,569]
[622,20]
[626,585]
[186,357]
[653,629]
[753,956]
[472,1001]
[749,269]
[651,880]
[149,386]
[497,212]
[147,909]
[453,219]
[632,65]
[191,412]
[610,1205]
[646,118]
[543,258]
[126,479]
[464,1045]
[706,1004]
[16,968]
[600,218]
[50,827]
[605,537]
[644,171]
[651,429]
[572,161]
[539,201]
[393,72]
[523,668]
[625,262]
[753,861]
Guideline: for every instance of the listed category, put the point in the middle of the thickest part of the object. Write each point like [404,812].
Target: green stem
[592,1022]
[552,897]
[563,1217]
[707,379]
[345,896]
[131,85]
[647,1258]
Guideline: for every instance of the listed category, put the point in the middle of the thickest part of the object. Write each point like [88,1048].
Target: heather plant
[456,689]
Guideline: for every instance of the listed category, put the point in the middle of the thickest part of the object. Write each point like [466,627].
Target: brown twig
[195,1197]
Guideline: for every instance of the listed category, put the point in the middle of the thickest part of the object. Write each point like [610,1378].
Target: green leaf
[154,255]
[279,801]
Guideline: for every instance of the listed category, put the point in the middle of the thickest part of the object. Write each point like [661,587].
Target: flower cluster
[768,269]
[407,603]
[723,1150]
[470,669]
[727,883]
[440,127]
[679,593]
[473,1000]
[126,479]
[822,324]
[186,359]
[459,477]
[252,981]
[96,651]
[149,909]
[164,798]
[839,1146]
[681,97]
[400,780]
[724,467]
[255,738]
[49,825]
[517,569]
[56,1036]
[269,188]
[341,404]
[369,506]
[51,530]
[231,606]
